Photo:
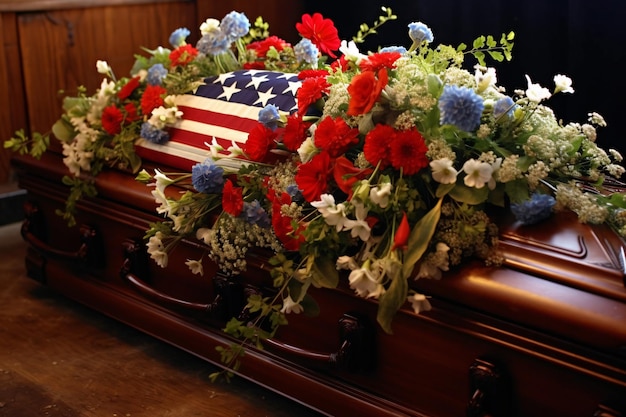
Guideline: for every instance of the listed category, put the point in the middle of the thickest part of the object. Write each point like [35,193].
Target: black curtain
[583,39]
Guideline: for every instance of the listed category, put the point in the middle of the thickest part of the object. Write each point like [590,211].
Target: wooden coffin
[544,335]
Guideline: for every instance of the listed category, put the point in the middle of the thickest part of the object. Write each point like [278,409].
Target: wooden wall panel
[60,48]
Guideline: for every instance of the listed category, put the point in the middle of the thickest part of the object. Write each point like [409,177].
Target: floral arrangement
[384,174]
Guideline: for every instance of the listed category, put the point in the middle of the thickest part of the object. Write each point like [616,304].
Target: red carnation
[322,32]
[232,199]
[295,132]
[183,55]
[152,98]
[312,73]
[130,111]
[335,136]
[128,88]
[408,152]
[261,140]
[364,90]
[312,177]
[112,119]
[284,225]
[379,61]
[261,47]
[376,148]
[311,90]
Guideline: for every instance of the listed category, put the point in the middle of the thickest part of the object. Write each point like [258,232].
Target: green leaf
[391,301]
[63,131]
[469,195]
[325,273]
[420,238]
[517,190]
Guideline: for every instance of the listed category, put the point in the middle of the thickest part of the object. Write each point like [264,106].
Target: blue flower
[235,25]
[177,38]
[207,177]
[419,32]
[400,49]
[306,51]
[254,213]
[156,74]
[505,105]
[460,107]
[532,211]
[154,134]
[213,43]
[269,116]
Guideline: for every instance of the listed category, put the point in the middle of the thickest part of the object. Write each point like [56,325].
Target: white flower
[334,214]
[535,92]
[215,148]
[346,262]
[380,194]
[351,52]
[563,84]
[290,306]
[205,234]
[359,227]
[364,282]
[443,171]
[195,266]
[161,181]
[477,173]
[103,67]
[307,150]
[486,79]
[209,25]
[419,302]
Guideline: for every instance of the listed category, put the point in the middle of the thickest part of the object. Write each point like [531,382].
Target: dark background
[584,40]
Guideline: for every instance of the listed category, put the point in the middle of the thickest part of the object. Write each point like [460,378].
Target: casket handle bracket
[135,271]
[356,350]
[488,392]
[33,231]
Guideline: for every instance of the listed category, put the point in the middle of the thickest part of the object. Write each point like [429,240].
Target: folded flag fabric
[226,108]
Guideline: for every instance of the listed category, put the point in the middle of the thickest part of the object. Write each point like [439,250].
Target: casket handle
[488,391]
[605,411]
[33,232]
[356,347]
[133,265]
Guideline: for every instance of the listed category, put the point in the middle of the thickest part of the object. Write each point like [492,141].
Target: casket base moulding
[543,335]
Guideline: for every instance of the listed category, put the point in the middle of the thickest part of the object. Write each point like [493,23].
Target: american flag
[226,108]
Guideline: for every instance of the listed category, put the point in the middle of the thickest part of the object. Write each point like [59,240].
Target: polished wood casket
[543,335]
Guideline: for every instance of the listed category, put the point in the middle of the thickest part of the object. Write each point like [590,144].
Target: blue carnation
[235,25]
[254,213]
[532,211]
[156,74]
[419,32]
[207,177]
[177,38]
[306,51]
[399,49]
[269,116]
[505,105]
[154,134]
[213,43]
[460,107]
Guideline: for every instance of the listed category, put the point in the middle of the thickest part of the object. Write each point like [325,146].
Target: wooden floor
[59,358]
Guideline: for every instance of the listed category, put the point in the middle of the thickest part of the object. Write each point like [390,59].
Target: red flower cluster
[183,55]
[402,149]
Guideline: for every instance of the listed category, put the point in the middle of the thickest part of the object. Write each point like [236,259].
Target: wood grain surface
[58,358]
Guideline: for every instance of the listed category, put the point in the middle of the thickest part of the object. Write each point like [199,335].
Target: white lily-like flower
[195,266]
[307,150]
[103,67]
[563,84]
[443,171]
[351,52]
[359,227]
[477,173]
[535,92]
[419,302]
[290,306]
[379,195]
[209,25]
[364,281]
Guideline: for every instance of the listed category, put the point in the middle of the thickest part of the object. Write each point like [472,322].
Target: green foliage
[366,30]
[34,146]
[487,45]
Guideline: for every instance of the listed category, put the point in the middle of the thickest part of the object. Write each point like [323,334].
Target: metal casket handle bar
[605,411]
[356,350]
[33,232]
[489,393]
[133,265]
